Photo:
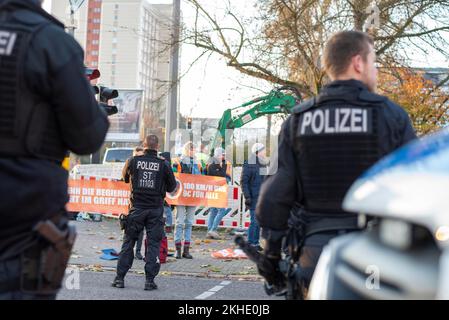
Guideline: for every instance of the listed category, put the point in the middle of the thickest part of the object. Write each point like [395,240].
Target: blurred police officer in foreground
[47,107]
[151,178]
[326,144]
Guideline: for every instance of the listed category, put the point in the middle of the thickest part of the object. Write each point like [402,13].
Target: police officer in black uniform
[325,145]
[151,177]
[47,107]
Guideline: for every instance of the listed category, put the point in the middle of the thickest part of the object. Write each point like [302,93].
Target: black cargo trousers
[138,219]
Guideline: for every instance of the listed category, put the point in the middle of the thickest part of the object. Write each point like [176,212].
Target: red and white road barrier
[237,216]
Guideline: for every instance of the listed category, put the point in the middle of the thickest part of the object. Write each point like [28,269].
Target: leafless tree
[283,41]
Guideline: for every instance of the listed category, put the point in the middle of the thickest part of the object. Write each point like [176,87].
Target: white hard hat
[218,152]
[257,147]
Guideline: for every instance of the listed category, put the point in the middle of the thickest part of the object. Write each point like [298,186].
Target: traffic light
[106,94]
[92,74]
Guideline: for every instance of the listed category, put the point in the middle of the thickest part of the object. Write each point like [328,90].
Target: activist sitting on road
[251,181]
[151,178]
[185,214]
[217,166]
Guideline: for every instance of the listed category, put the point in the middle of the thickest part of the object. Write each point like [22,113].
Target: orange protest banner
[196,190]
[113,196]
[98,196]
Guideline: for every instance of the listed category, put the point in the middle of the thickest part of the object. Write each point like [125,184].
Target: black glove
[269,269]
[123,219]
[248,203]
[269,266]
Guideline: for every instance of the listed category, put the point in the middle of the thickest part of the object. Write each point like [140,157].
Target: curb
[205,275]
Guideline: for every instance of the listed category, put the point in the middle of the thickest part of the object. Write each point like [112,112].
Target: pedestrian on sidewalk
[151,178]
[188,164]
[251,181]
[217,166]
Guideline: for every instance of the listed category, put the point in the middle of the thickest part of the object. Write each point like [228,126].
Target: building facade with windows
[129,42]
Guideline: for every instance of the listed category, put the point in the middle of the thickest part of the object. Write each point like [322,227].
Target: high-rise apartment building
[129,42]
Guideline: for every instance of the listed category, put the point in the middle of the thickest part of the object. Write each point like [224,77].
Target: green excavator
[276,102]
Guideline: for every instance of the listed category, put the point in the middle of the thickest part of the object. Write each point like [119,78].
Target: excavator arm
[275,102]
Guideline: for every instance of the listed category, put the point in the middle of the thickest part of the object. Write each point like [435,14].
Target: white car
[117,155]
[404,253]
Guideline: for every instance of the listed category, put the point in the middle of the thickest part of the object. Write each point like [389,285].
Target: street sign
[75,4]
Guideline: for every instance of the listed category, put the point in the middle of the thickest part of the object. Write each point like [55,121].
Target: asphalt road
[97,286]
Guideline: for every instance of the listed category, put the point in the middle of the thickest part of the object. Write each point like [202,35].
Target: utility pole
[74,6]
[171,116]
[71,28]
[268,137]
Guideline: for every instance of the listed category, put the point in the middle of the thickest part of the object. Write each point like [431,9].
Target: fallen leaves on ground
[97,268]
[214,269]
[243,273]
[205,265]
[166,273]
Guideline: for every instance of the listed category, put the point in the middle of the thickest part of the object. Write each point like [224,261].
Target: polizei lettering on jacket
[144,165]
[148,173]
[336,120]
[7,41]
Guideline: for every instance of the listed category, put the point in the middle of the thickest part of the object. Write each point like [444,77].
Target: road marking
[213,291]
[216,288]
[204,295]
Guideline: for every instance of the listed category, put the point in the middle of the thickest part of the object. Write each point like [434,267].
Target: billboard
[125,125]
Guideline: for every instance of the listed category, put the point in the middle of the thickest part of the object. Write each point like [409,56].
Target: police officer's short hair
[151,142]
[342,47]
